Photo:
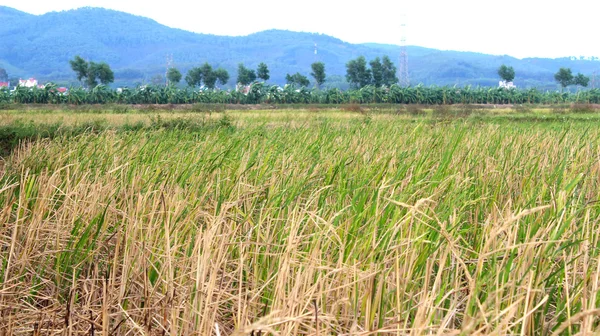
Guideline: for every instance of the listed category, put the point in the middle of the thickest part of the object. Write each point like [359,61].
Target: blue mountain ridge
[136,48]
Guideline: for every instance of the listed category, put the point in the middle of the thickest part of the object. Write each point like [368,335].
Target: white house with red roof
[30,83]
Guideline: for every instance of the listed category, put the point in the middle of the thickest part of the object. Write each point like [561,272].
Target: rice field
[300,223]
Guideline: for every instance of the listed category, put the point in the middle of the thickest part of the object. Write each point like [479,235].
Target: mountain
[136,48]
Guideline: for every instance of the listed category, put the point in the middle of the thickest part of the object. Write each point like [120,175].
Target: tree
[383,72]
[318,73]
[92,72]
[208,76]
[388,72]
[357,73]
[222,76]
[3,75]
[194,77]
[297,79]
[80,66]
[506,73]
[581,80]
[245,75]
[102,72]
[174,76]
[263,72]
[377,72]
[564,77]
[90,80]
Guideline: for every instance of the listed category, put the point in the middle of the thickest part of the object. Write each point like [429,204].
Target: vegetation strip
[260,93]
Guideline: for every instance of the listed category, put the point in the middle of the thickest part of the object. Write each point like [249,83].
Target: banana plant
[260,93]
[4,95]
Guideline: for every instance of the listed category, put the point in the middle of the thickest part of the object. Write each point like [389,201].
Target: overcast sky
[520,28]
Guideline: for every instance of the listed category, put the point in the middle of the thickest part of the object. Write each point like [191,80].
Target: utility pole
[403,76]
[169,66]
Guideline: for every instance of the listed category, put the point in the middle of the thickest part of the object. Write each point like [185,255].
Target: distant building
[62,90]
[507,85]
[30,83]
[245,89]
[4,84]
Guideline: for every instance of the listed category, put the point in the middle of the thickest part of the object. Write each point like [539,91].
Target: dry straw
[350,228]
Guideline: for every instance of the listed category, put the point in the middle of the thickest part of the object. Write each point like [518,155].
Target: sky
[519,28]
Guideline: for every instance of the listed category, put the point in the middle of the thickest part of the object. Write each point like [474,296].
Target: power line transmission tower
[169,66]
[403,76]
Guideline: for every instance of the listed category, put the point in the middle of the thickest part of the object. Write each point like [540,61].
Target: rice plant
[328,226]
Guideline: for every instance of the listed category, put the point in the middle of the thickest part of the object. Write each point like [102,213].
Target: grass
[302,222]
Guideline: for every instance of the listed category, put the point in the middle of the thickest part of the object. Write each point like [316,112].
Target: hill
[136,48]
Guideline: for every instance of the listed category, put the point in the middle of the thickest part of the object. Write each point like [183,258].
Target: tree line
[378,73]
[204,76]
[564,76]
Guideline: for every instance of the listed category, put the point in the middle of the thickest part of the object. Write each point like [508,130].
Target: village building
[30,83]
[507,85]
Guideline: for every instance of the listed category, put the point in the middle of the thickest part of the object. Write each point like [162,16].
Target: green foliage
[208,76]
[564,77]
[581,80]
[318,73]
[174,76]
[194,77]
[5,96]
[388,70]
[226,121]
[80,66]
[245,75]
[260,93]
[376,72]
[506,73]
[263,72]
[384,73]
[297,79]
[102,72]
[222,76]
[357,73]
[92,72]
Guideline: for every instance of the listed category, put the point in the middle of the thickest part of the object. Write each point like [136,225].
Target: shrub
[226,121]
